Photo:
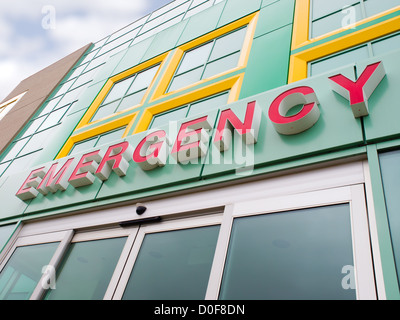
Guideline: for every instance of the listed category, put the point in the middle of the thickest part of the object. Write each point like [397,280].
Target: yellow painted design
[299,61]
[301,24]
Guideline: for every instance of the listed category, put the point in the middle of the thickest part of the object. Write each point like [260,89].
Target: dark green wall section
[268,63]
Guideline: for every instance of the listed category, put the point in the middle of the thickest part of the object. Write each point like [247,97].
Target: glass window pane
[83,146]
[5,233]
[37,141]
[290,255]
[185,79]
[3,167]
[320,8]
[173,265]
[131,100]
[165,118]
[54,118]
[105,110]
[338,61]
[390,170]
[195,58]
[118,90]
[221,65]
[386,45]
[373,7]
[225,45]
[50,106]
[143,79]
[335,21]
[17,146]
[209,104]
[111,136]
[22,272]
[86,270]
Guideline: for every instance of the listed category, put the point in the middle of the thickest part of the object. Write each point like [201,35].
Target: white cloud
[26,47]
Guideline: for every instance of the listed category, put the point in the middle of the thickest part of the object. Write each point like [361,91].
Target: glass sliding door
[170,261]
[298,254]
[307,246]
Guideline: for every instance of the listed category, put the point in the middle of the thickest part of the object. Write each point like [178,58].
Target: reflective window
[193,108]
[23,271]
[126,93]
[173,265]
[338,60]
[354,55]
[302,254]
[209,59]
[86,270]
[99,140]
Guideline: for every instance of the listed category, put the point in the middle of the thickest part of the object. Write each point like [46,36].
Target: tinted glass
[86,270]
[166,117]
[228,44]
[173,265]
[209,104]
[195,57]
[22,272]
[304,254]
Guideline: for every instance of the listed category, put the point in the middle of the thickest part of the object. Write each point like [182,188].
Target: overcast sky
[37,33]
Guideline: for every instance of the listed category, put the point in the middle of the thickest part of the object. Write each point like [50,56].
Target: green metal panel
[201,23]
[268,63]
[383,105]
[275,16]
[134,55]
[11,206]
[165,40]
[236,9]
[336,129]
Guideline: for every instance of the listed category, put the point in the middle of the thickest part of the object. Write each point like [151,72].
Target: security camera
[140,209]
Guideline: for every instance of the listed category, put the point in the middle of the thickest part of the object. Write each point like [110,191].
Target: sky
[36,33]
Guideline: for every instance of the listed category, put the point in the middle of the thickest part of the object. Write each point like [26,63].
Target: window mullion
[208,58]
[41,289]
